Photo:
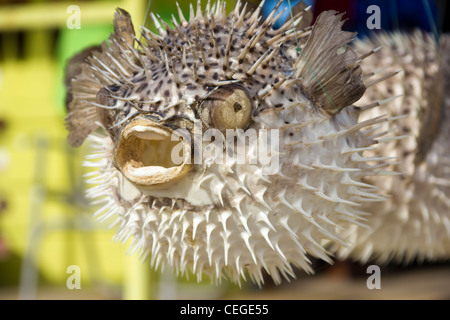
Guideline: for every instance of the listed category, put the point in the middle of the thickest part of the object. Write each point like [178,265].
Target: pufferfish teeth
[147,133]
[144,154]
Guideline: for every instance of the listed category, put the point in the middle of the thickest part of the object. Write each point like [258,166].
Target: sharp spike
[271,15]
[236,9]
[112,73]
[124,73]
[265,92]
[255,16]
[213,22]
[224,13]
[252,27]
[144,66]
[371,74]
[152,39]
[270,56]
[226,62]
[124,56]
[194,70]
[146,50]
[366,123]
[175,75]
[99,105]
[184,60]
[101,73]
[262,31]
[297,18]
[246,49]
[158,26]
[122,121]
[165,25]
[200,47]
[389,139]
[194,53]
[213,41]
[183,21]
[365,55]
[257,63]
[208,9]
[166,62]
[199,10]
[175,22]
[278,16]
[282,36]
[389,75]
[191,13]
[241,16]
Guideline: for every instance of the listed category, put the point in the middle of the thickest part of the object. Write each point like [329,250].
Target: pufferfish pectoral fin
[330,71]
[80,120]
[82,88]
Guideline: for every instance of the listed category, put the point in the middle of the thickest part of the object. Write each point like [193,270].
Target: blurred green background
[45,221]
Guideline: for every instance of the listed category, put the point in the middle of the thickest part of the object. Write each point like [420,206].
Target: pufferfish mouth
[144,154]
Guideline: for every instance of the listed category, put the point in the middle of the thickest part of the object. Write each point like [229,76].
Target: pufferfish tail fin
[82,87]
[329,70]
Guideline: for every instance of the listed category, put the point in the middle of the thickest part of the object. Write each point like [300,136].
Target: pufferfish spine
[227,219]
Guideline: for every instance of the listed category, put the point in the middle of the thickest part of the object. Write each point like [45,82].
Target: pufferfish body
[414,221]
[226,216]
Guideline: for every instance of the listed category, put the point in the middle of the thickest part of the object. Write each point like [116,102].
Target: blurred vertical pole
[10,46]
[29,273]
[138,279]
[38,42]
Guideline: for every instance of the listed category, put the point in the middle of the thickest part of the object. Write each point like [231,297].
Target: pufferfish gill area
[224,71]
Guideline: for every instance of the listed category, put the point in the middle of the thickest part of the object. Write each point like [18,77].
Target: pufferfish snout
[227,74]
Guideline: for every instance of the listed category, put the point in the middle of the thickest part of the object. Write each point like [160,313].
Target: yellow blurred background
[45,221]
[46,224]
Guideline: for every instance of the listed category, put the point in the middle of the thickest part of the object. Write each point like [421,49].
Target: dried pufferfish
[414,221]
[227,72]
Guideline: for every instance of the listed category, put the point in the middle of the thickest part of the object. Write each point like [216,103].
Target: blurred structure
[395,14]
[47,223]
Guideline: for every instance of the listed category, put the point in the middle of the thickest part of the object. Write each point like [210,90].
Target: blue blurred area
[395,14]
[398,15]
[270,4]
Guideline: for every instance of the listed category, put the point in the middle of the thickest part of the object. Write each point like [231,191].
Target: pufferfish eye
[228,108]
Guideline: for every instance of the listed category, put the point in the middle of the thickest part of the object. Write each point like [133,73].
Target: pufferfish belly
[139,99]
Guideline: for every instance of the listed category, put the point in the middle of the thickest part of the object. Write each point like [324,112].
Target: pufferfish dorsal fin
[82,89]
[329,70]
[123,26]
